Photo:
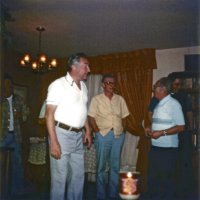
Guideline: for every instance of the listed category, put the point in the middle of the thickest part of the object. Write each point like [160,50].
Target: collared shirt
[42,110]
[153,104]
[11,125]
[71,101]
[167,114]
[182,97]
[108,113]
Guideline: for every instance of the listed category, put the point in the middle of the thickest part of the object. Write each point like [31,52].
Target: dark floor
[89,194]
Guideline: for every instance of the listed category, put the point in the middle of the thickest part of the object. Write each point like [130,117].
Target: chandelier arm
[40,29]
[39,43]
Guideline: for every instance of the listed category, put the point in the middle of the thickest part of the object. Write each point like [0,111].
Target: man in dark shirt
[185,168]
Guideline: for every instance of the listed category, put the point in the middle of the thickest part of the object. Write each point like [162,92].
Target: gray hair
[74,59]
[164,82]
[107,76]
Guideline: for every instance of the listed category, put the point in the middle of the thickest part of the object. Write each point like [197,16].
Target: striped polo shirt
[168,113]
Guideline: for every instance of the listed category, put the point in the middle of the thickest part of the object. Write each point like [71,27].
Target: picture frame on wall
[21,91]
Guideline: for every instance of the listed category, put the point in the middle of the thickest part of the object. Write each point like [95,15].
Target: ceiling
[99,27]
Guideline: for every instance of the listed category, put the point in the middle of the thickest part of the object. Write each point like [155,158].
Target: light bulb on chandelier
[41,63]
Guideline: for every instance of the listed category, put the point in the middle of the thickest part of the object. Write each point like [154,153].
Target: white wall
[171,60]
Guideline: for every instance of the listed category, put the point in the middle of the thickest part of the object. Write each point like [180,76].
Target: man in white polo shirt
[167,122]
[66,116]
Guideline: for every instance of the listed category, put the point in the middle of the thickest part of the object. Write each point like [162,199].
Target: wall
[171,60]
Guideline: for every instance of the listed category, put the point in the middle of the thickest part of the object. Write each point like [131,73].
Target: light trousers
[67,173]
[108,150]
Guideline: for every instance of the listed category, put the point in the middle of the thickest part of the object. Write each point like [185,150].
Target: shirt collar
[10,97]
[114,95]
[69,78]
[165,99]
[71,81]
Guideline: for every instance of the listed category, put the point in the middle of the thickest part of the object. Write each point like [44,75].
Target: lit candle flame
[129,174]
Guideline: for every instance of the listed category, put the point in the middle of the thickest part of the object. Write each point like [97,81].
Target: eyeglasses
[109,83]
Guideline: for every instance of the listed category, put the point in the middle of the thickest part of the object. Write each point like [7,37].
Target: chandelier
[40,64]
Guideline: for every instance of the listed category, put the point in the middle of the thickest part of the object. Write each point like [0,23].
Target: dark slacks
[185,168]
[162,173]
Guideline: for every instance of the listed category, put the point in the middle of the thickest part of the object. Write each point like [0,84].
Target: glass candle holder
[129,183]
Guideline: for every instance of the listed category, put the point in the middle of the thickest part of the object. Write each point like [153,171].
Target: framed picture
[21,91]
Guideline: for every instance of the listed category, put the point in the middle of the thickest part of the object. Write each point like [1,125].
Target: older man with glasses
[185,168]
[107,116]
[167,123]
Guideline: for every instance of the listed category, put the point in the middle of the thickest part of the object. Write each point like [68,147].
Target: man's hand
[55,150]
[148,132]
[88,139]
[157,134]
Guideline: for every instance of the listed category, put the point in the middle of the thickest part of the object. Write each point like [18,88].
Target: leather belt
[66,127]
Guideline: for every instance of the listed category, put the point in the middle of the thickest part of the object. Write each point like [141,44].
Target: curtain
[119,62]
[129,153]
[93,84]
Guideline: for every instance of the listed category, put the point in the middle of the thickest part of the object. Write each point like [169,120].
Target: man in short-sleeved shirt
[167,123]
[185,169]
[167,114]
[66,115]
[107,114]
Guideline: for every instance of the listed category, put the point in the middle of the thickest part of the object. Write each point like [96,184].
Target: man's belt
[66,127]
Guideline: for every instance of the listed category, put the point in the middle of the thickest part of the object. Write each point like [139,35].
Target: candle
[129,184]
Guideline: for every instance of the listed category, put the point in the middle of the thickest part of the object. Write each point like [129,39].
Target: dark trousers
[17,171]
[161,180]
[185,168]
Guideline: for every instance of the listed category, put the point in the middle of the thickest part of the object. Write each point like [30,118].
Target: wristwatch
[164,132]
